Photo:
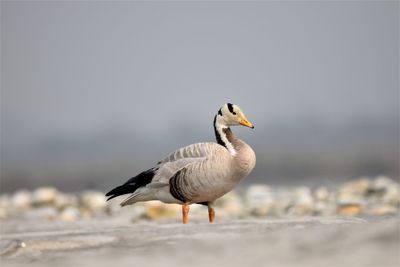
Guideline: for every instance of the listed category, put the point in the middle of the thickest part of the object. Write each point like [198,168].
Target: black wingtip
[121,190]
[113,193]
[132,184]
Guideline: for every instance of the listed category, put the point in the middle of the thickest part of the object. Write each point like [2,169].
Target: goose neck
[224,136]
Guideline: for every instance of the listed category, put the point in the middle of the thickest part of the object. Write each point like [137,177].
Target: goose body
[198,173]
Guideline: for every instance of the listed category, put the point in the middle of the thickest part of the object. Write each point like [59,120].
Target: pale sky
[75,70]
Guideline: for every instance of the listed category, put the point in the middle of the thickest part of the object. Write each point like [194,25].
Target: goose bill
[246,123]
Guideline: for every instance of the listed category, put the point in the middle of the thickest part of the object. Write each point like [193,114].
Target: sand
[311,241]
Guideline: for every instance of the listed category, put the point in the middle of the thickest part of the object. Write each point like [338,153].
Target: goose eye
[234,113]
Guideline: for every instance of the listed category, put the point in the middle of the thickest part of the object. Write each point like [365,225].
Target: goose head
[231,115]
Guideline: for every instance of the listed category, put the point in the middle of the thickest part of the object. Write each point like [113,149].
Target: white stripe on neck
[224,139]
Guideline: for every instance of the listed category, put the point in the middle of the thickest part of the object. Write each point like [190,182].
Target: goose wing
[159,176]
[198,150]
[195,154]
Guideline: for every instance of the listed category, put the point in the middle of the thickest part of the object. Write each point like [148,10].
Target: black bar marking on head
[230,107]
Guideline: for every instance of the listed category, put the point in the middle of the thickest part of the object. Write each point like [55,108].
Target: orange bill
[243,121]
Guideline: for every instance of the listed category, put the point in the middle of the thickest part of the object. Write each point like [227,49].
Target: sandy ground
[316,241]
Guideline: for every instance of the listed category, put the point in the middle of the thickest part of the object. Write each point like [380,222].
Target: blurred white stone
[259,199]
[303,203]
[69,214]
[44,196]
[114,207]
[324,203]
[321,194]
[93,200]
[136,211]
[392,196]
[64,200]
[231,204]
[353,193]
[387,190]
[22,200]
[158,210]
[282,202]
[360,186]
[347,198]
[382,183]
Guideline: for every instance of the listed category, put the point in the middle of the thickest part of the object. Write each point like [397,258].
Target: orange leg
[185,213]
[211,214]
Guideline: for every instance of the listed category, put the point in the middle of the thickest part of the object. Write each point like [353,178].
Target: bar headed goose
[199,173]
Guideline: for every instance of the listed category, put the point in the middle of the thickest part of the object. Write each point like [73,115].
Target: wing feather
[198,150]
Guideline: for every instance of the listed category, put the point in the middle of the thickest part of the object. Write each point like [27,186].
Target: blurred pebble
[350,209]
[93,201]
[231,204]
[283,202]
[353,193]
[357,187]
[303,203]
[323,202]
[44,196]
[388,190]
[113,206]
[158,210]
[69,214]
[347,198]
[21,199]
[259,200]
[321,194]
[64,200]
[382,183]
[392,196]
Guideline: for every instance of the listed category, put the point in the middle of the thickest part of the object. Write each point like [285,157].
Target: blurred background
[92,93]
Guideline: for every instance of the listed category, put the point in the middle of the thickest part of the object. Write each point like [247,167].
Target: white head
[231,115]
